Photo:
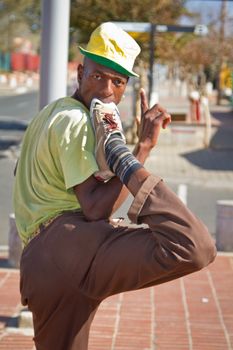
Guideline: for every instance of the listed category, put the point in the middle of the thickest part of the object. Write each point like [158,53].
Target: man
[73,173]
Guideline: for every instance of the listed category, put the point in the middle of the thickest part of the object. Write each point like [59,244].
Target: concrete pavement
[191,313]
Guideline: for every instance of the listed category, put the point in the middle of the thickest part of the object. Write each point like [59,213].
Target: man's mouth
[106,99]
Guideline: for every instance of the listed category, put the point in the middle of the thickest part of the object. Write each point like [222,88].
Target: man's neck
[76,96]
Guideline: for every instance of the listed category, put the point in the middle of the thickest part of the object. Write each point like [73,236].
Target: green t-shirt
[57,153]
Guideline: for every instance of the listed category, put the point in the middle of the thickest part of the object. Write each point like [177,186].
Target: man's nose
[108,87]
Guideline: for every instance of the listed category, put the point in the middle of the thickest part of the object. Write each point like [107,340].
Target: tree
[16,18]
[86,15]
[207,55]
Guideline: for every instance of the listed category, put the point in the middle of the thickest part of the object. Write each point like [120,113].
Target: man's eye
[96,76]
[118,82]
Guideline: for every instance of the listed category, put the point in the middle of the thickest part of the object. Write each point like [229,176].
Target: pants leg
[175,243]
[52,269]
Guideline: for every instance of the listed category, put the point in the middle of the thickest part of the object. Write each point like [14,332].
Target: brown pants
[73,264]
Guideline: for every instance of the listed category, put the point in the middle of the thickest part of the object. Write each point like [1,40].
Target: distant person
[73,173]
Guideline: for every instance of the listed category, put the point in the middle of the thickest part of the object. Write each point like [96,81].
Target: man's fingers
[158,108]
[164,118]
[156,112]
[144,102]
[138,122]
[167,121]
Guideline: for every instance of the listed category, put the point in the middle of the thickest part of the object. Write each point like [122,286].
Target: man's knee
[204,251]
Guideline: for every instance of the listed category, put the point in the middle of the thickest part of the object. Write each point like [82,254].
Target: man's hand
[152,119]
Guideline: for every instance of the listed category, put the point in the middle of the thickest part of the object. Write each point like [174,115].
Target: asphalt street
[16,111]
[21,107]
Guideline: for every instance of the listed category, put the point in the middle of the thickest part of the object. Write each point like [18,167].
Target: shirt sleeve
[75,142]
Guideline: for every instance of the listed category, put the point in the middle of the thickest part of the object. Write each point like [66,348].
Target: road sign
[143,27]
[139,27]
[201,29]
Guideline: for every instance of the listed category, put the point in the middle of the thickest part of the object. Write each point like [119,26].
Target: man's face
[97,81]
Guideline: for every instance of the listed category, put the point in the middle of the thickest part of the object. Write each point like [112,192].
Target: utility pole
[223,15]
[152,60]
[54,50]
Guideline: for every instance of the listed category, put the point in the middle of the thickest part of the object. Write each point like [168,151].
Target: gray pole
[223,16]
[152,60]
[54,50]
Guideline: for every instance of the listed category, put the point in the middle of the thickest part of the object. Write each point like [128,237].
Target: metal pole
[223,16]
[54,50]
[152,54]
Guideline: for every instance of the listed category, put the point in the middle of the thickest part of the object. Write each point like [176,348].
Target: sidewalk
[191,313]
[18,83]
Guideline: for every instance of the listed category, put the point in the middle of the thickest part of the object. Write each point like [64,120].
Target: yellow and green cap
[111,46]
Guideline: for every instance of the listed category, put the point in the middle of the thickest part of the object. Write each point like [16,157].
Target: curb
[25,320]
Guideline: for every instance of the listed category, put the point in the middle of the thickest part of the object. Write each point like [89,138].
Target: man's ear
[80,72]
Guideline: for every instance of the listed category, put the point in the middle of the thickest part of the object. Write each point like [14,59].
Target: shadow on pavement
[225,118]
[209,159]
[6,144]
[11,133]
[4,263]
[219,156]
[9,321]
[223,138]
[13,125]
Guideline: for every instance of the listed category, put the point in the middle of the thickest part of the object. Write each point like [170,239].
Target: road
[16,112]
[22,107]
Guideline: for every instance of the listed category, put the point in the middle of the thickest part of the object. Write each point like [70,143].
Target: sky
[209,11]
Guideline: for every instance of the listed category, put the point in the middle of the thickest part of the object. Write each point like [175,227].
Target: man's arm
[99,200]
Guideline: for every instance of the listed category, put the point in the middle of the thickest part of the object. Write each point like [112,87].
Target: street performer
[74,171]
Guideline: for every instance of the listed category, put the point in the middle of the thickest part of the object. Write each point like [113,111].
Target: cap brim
[108,63]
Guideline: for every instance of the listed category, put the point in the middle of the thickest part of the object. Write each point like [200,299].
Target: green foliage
[23,11]
[15,15]
[86,15]
[22,18]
